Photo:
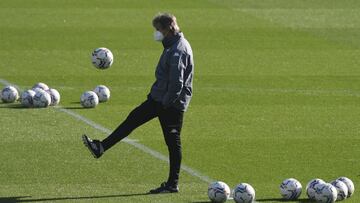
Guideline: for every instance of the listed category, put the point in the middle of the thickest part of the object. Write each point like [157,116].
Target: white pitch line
[4,82]
[131,142]
[137,145]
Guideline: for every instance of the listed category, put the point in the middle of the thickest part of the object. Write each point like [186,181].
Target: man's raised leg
[140,115]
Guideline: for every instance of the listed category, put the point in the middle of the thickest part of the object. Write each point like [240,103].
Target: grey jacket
[174,74]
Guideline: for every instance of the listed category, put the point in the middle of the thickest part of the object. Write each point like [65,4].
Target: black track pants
[171,120]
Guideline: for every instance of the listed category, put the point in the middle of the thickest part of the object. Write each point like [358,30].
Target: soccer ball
[37,89]
[102,92]
[89,99]
[349,184]
[244,193]
[102,58]
[9,94]
[55,96]
[342,189]
[41,85]
[325,193]
[290,189]
[310,187]
[41,99]
[218,192]
[27,98]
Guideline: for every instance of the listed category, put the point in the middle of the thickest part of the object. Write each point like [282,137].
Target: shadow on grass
[284,200]
[201,202]
[73,107]
[270,200]
[26,198]
[19,106]
[11,199]
[13,106]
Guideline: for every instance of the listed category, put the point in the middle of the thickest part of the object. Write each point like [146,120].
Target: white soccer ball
[9,94]
[41,99]
[244,193]
[310,187]
[342,189]
[55,96]
[41,85]
[36,89]
[27,98]
[325,193]
[89,99]
[218,192]
[102,58]
[102,92]
[349,184]
[290,189]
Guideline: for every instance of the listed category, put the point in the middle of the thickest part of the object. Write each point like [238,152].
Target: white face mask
[158,36]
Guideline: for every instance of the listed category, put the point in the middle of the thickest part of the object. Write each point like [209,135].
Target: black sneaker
[94,146]
[165,188]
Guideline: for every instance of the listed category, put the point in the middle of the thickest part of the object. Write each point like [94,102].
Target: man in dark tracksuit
[169,98]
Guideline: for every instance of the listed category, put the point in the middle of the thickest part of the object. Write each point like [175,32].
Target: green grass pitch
[276,95]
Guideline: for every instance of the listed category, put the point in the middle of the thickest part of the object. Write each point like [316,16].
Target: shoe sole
[86,143]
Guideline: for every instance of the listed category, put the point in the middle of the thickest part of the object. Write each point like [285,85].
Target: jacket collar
[169,41]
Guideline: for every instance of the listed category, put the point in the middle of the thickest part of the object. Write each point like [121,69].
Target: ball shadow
[270,200]
[73,107]
[13,106]
[304,200]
